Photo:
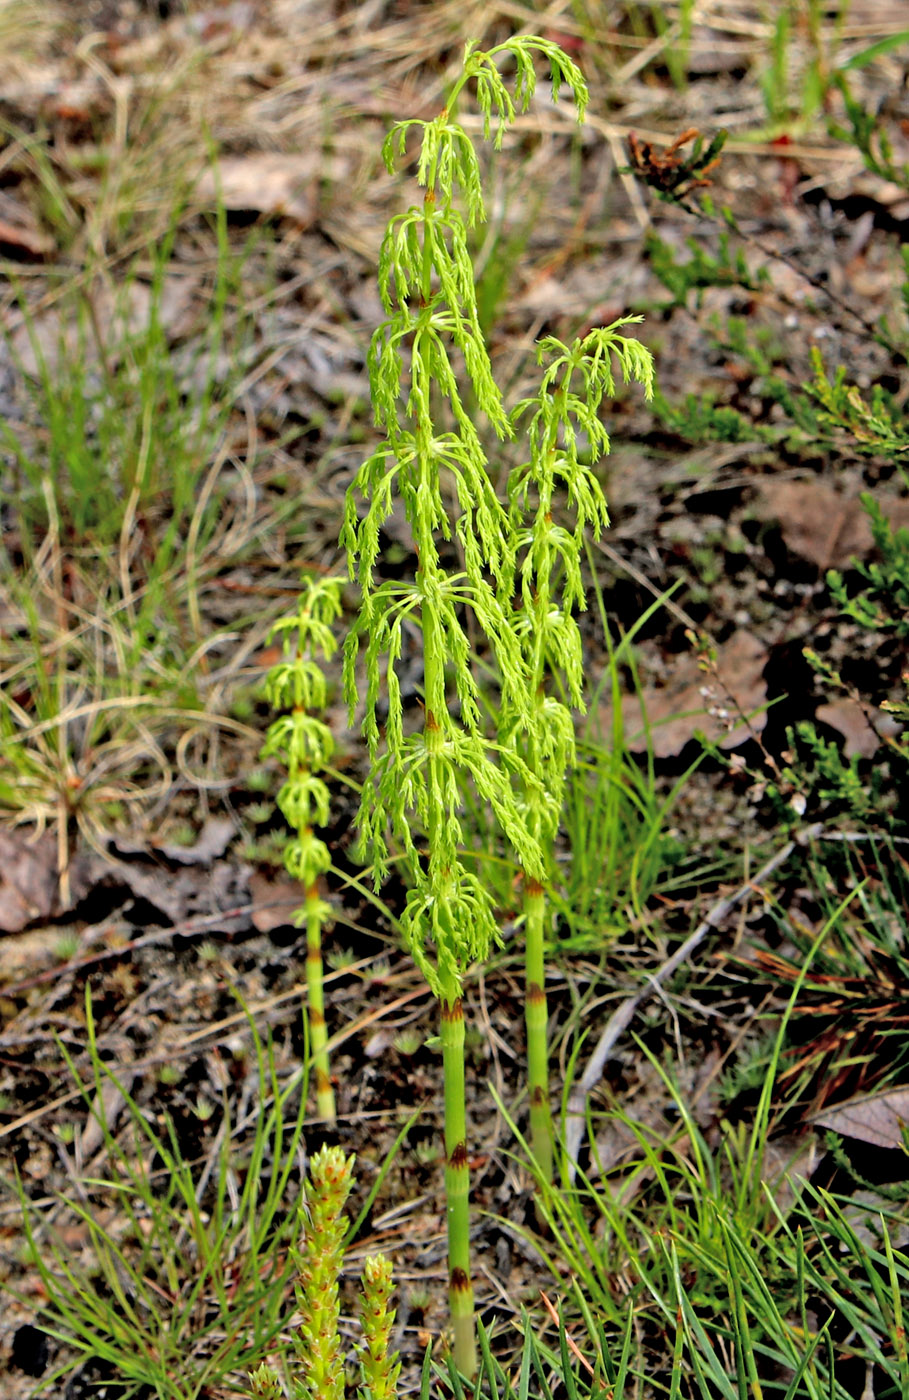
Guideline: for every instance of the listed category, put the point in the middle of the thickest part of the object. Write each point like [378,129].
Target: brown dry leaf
[675,711]
[274,902]
[822,525]
[28,879]
[175,895]
[271,182]
[848,718]
[214,839]
[875,1118]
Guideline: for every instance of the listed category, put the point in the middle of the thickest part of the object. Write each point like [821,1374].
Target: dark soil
[180,951]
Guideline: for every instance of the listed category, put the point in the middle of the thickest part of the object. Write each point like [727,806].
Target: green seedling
[305,744]
[428,359]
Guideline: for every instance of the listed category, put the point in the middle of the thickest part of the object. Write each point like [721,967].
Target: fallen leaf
[848,718]
[822,525]
[214,839]
[274,902]
[28,878]
[270,182]
[875,1118]
[677,710]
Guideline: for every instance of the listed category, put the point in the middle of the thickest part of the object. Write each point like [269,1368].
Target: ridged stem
[325,1094]
[457,1189]
[457,1175]
[536,1020]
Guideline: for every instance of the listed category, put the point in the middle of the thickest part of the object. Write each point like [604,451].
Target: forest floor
[191,205]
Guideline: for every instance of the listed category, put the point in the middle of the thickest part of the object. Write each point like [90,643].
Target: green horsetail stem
[429,357]
[563,414]
[457,1187]
[536,1017]
[315,997]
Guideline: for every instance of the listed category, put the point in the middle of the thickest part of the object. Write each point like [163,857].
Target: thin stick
[623,1016]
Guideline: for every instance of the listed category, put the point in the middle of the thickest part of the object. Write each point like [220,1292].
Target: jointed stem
[325,1094]
[457,1188]
[536,1017]
[426,281]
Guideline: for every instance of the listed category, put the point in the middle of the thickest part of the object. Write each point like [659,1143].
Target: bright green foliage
[305,744]
[379,1367]
[323,1226]
[702,269]
[871,427]
[265,1384]
[556,421]
[427,287]
[868,129]
[884,604]
[424,360]
[318,1263]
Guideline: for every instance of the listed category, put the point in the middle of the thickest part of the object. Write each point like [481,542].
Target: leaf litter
[167,931]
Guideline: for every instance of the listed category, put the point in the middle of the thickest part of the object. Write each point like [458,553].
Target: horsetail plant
[426,282]
[563,428]
[317,1343]
[305,743]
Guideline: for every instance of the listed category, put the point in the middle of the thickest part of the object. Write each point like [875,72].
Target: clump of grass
[184,1274]
[126,500]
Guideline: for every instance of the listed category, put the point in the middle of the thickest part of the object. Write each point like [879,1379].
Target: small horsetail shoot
[305,744]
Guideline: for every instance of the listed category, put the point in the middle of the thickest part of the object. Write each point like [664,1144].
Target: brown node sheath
[535,993]
[459,1158]
[431,721]
[532,888]
[451,1011]
[537,1096]
[459,1281]
[323,1081]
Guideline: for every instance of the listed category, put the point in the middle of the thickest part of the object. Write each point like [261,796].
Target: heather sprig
[565,436]
[428,362]
[305,744]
